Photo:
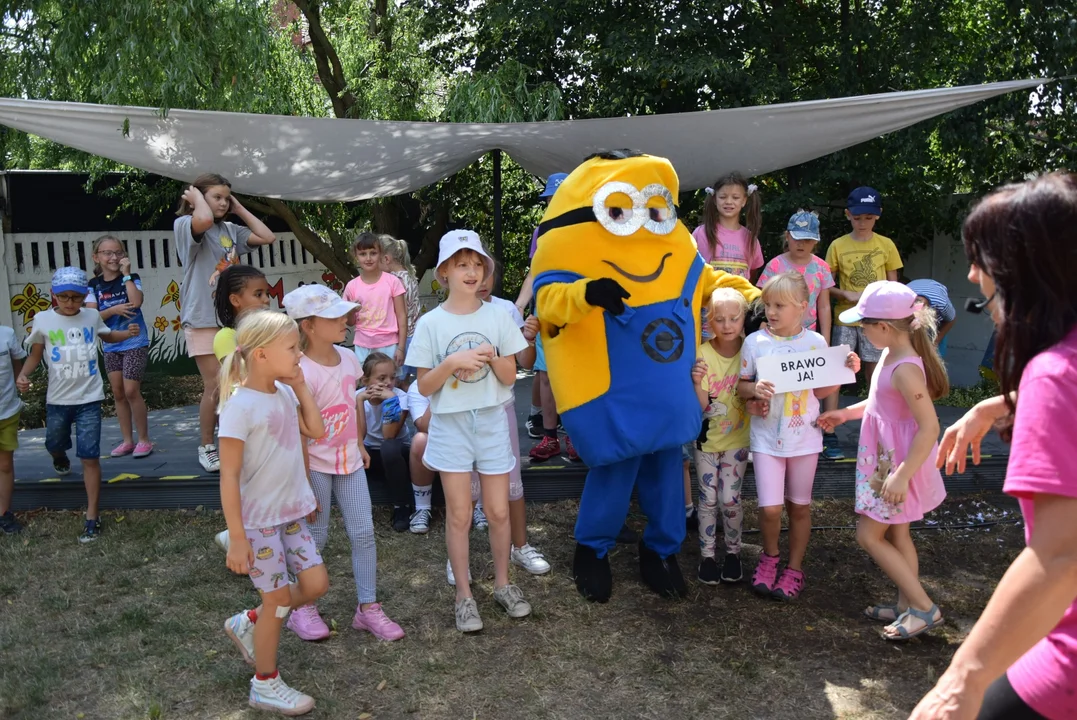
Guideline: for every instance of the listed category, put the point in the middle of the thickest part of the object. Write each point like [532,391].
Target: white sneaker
[452,578]
[275,696]
[478,519]
[241,630]
[511,598]
[530,560]
[208,458]
[420,521]
[467,616]
[222,539]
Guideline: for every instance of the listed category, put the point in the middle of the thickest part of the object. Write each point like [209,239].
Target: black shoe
[401,519]
[534,426]
[627,536]
[708,571]
[91,531]
[731,570]
[61,464]
[592,574]
[691,522]
[8,524]
[663,575]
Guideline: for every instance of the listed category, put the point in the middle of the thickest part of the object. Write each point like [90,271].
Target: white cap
[316,301]
[454,241]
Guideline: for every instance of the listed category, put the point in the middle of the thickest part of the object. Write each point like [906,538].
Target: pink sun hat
[882,300]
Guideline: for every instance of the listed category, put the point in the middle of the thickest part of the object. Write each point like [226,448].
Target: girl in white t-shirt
[786,442]
[338,460]
[265,411]
[464,352]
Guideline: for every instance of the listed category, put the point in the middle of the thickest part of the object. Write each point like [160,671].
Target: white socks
[422,496]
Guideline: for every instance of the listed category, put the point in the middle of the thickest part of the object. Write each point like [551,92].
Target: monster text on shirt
[74,352]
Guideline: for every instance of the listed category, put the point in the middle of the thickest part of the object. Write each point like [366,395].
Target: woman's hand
[764,390]
[240,556]
[830,420]
[968,432]
[950,699]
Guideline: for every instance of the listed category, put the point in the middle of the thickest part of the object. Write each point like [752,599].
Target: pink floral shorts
[280,550]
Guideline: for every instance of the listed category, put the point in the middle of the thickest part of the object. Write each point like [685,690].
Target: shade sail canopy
[328,159]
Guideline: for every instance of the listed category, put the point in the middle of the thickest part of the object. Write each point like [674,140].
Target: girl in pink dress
[896,478]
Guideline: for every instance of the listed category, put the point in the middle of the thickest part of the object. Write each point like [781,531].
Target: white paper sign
[806,370]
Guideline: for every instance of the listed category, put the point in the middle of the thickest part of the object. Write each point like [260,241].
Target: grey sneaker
[467,616]
[511,598]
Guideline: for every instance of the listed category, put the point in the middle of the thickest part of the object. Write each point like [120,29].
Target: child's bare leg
[133,391]
[900,537]
[91,478]
[799,532]
[208,368]
[495,503]
[7,479]
[123,409]
[312,584]
[871,535]
[457,488]
[517,522]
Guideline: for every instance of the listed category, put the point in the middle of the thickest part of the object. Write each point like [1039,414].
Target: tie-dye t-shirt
[731,254]
[816,273]
[333,388]
[273,485]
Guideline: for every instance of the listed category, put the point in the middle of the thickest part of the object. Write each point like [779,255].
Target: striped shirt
[937,297]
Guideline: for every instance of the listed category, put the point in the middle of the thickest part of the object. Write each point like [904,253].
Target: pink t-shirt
[816,273]
[1041,461]
[333,389]
[375,322]
[731,254]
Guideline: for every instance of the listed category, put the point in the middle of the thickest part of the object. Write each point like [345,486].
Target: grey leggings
[353,497]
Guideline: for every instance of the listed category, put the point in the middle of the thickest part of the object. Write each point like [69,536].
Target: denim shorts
[87,421]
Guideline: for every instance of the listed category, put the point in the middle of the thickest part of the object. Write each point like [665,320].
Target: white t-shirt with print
[273,486]
[10,349]
[417,404]
[441,333]
[510,308]
[789,429]
[374,420]
[75,373]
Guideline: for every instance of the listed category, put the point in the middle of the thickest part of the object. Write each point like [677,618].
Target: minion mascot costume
[619,286]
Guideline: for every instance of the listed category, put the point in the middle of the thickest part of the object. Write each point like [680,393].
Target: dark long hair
[753,214]
[1024,236]
[203,182]
[231,282]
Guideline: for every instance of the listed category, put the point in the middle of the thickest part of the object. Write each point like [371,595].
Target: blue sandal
[875,613]
[927,617]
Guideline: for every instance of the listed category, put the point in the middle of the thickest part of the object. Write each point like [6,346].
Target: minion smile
[641,278]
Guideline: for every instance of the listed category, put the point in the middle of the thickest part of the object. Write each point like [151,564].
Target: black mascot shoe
[662,576]
[592,574]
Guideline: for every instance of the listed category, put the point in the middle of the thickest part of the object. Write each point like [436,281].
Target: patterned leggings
[720,478]
[353,497]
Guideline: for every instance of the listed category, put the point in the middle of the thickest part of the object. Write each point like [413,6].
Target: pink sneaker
[124,448]
[377,623]
[765,575]
[308,624]
[790,583]
[143,449]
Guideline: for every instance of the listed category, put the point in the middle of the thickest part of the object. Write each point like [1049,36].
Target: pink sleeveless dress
[886,434]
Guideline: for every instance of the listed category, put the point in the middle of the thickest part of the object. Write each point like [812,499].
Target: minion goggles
[622,221]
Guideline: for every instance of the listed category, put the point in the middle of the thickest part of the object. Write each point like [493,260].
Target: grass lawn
[130,627]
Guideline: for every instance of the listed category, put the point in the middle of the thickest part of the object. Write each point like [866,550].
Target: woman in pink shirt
[1020,660]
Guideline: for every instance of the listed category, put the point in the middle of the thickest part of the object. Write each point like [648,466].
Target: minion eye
[619,215]
[658,214]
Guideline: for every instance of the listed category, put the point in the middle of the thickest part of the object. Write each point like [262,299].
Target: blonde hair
[921,328]
[787,286]
[724,295]
[255,329]
[397,249]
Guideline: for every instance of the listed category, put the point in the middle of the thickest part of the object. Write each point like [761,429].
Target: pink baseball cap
[882,300]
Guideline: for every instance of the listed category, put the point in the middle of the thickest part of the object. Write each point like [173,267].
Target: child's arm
[831,419]
[202,216]
[115,336]
[747,389]
[699,371]
[911,383]
[401,328]
[526,357]
[505,369]
[432,380]
[240,554]
[22,378]
[311,424]
[852,361]
[131,286]
[823,311]
[260,234]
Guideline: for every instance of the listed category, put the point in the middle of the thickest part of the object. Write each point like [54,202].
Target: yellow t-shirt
[856,264]
[727,420]
[224,343]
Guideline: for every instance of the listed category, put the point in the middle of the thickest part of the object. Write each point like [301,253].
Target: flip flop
[875,613]
[927,617]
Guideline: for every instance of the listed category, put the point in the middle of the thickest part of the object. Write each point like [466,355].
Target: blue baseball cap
[552,183]
[803,225]
[864,201]
[69,279]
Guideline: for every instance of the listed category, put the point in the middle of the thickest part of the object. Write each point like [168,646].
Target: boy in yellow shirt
[857,259]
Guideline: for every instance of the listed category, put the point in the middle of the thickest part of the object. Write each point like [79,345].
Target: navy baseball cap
[865,201]
[552,183]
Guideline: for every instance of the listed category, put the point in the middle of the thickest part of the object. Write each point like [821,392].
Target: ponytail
[256,329]
[397,249]
[753,213]
[922,330]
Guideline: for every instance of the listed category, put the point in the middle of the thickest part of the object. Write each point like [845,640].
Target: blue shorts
[87,421]
[540,356]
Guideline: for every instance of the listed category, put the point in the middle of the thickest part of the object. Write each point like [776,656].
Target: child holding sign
[896,478]
[786,442]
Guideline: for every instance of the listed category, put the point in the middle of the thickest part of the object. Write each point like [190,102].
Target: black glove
[607,294]
[755,317]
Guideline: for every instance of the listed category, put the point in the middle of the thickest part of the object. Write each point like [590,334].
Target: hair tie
[709,190]
[239,348]
[752,189]
[915,324]
[918,306]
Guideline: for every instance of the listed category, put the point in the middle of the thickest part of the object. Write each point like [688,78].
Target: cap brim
[82,289]
[338,309]
[865,210]
[798,235]
[850,316]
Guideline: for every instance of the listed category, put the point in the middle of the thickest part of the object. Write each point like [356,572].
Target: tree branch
[330,70]
[325,252]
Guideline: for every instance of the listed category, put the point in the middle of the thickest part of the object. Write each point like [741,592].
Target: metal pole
[499,254]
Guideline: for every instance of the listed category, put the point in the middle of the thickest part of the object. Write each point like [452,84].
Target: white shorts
[471,440]
[516,483]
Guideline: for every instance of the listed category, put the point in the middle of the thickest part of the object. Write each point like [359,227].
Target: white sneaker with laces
[478,519]
[452,578]
[467,616]
[420,521]
[274,695]
[222,540]
[241,630]
[208,458]
[530,560]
